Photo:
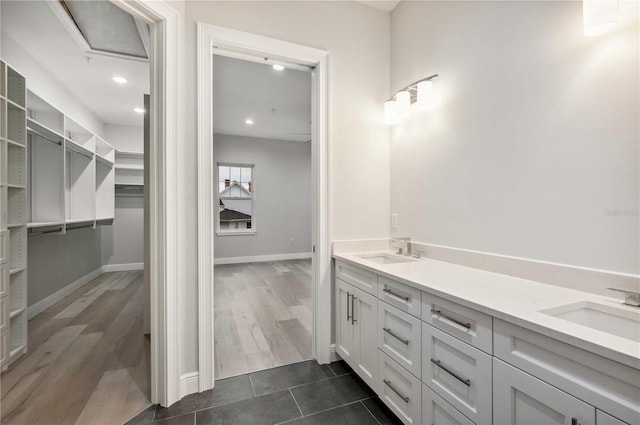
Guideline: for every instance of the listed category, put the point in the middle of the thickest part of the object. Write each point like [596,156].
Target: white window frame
[237,232]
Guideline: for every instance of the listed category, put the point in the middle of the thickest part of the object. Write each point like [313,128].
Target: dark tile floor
[303,393]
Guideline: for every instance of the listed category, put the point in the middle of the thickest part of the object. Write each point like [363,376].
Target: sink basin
[384,258]
[613,320]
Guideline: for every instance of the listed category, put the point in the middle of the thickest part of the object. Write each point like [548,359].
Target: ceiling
[35,27]
[278,102]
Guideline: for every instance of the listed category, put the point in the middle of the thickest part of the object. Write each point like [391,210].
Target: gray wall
[282,180]
[122,242]
[533,151]
[55,261]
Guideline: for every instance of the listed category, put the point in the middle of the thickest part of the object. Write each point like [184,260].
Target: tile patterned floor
[298,394]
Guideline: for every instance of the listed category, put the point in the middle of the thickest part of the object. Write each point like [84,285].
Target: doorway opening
[214,40]
[262,249]
[47,89]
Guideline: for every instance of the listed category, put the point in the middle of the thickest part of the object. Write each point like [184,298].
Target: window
[235,199]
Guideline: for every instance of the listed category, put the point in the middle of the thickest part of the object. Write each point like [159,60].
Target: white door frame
[212,37]
[165,65]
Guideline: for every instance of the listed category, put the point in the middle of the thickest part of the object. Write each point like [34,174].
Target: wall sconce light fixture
[419,93]
[599,16]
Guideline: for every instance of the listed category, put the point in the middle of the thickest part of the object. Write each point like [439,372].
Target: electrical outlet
[394,220]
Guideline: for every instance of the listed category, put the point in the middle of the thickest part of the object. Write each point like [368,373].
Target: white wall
[44,85]
[125,138]
[282,181]
[357,38]
[534,150]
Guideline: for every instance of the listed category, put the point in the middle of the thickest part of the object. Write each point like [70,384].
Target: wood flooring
[263,315]
[88,360]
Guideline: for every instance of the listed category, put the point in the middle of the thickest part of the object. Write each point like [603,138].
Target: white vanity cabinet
[610,386]
[356,338]
[434,361]
[521,399]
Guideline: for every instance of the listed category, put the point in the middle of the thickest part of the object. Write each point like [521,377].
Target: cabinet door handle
[398,393]
[467,382]
[390,292]
[390,332]
[348,315]
[353,310]
[574,421]
[441,314]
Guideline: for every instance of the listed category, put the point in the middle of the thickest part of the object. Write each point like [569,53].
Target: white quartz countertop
[509,298]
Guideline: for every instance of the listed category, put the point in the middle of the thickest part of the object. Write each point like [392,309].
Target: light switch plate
[394,220]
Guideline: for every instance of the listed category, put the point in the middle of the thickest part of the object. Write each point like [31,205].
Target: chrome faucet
[402,245]
[630,297]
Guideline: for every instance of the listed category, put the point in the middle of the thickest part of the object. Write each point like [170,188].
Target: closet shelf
[17,351]
[16,312]
[12,225]
[14,104]
[16,186]
[129,167]
[44,224]
[36,126]
[16,144]
[104,160]
[80,220]
[78,148]
[16,270]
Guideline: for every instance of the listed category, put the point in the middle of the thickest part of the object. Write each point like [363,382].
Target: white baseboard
[334,355]
[189,384]
[122,267]
[262,258]
[44,304]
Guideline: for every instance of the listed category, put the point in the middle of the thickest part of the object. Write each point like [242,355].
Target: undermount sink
[384,258]
[612,320]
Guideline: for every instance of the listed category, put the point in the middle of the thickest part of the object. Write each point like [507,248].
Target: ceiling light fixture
[119,80]
[419,93]
[139,110]
[248,121]
[599,16]
[278,67]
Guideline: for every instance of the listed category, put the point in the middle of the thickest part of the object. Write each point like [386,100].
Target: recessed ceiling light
[248,121]
[278,67]
[119,80]
[139,110]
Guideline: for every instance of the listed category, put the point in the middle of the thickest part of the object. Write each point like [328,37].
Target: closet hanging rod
[79,153]
[80,227]
[44,232]
[37,133]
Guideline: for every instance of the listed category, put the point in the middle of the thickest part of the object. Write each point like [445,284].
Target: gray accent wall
[55,261]
[282,181]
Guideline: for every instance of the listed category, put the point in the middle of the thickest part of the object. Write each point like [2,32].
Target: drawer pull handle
[439,313]
[467,382]
[574,421]
[390,332]
[388,291]
[353,311]
[398,393]
[348,315]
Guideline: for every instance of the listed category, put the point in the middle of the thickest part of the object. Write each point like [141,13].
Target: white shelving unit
[71,173]
[13,215]
[129,176]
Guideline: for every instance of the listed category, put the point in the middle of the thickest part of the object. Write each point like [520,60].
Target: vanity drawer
[601,382]
[4,313]
[436,411]
[358,277]
[4,246]
[464,323]
[404,297]
[399,390]
[458,373]
[605,419]
[4,280]
[399,336]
